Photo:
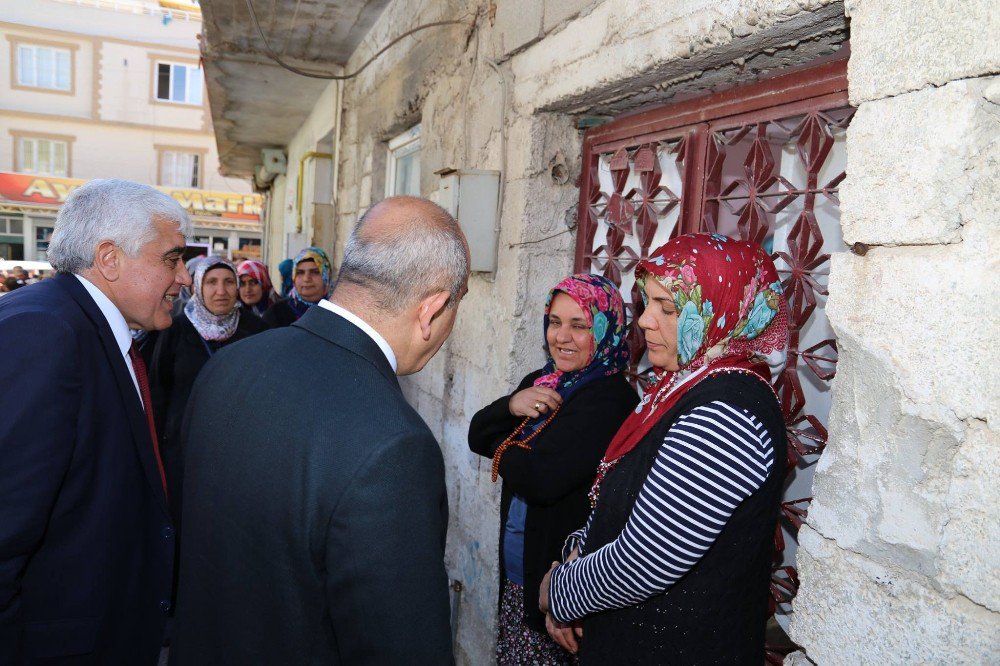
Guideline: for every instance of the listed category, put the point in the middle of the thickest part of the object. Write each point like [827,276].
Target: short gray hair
[409,261]
[110,209]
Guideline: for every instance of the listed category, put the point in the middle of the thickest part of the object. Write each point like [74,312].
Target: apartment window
[179,169]
[11,225]
[48,157]
[178,83]
[43,236]
[403,165]
[45,67]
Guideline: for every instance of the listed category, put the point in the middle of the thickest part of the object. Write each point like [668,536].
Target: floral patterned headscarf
[727,294]
[319,257]
[211,326]
[257,271]
[732,318]
[604,310]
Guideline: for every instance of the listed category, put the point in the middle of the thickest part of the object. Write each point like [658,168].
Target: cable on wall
[337,77]
[503,139]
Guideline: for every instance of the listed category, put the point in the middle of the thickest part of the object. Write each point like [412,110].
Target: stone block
[926,313]
[905,480]
[518,24]
[881,485]
[797,658]
[912,44]
[619,49]
[850,610]
[921,165]
[970,547]
[557,11]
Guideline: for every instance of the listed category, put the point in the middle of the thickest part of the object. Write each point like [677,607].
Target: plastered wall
[900,559]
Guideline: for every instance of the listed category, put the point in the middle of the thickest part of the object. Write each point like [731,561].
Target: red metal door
[762,162]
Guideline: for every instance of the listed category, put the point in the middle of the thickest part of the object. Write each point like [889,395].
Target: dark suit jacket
[179,356]
[314,508]
[86,544]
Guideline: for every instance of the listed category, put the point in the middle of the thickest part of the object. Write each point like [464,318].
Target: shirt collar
[364,326]
[119,327]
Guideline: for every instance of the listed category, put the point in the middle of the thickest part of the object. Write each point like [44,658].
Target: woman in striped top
[673,564]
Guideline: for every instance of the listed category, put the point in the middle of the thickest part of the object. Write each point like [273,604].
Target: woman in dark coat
[545,439]
[211,320]
[673,564]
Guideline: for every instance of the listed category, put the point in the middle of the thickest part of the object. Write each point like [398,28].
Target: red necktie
[140,374]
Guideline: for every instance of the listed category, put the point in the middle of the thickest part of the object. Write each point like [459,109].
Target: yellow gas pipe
[302,167]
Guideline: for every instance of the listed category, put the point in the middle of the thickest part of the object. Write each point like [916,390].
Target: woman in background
[255,291]
[285,271]
[211,320]
[312,280]
[545,439]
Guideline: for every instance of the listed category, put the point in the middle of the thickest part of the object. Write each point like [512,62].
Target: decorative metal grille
[764,163]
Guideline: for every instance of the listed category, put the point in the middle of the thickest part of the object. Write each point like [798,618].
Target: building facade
[96,89]
[859,141]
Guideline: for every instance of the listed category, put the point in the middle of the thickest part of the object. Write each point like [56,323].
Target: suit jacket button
[168,532]
[164,605]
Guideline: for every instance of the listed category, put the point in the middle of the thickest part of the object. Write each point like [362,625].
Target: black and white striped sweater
[712,458]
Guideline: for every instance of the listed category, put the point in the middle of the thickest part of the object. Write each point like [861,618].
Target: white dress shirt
[117,323]
[364,326]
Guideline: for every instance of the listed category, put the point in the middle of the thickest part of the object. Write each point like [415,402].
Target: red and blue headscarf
[604,310]
[732,317]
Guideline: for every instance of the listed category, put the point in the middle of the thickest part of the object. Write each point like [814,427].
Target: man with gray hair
[86,541]
[314,497]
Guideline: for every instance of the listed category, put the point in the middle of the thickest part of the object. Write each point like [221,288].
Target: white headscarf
[211,326]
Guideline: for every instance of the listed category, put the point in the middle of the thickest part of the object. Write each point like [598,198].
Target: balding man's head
[403,249]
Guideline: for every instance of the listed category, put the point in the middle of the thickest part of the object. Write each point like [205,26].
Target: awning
[219,210]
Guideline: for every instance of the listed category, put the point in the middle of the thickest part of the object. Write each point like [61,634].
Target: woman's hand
[564,634]
[534,401]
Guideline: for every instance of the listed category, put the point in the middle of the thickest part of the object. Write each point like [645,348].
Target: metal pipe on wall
[334,194]
[312,154]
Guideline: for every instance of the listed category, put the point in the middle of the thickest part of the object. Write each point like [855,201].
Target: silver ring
[538,406]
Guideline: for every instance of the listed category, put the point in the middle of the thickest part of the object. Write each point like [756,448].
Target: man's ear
[428,309]
[107,260]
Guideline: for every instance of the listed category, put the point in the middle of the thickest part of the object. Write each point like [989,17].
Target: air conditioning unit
[273,164]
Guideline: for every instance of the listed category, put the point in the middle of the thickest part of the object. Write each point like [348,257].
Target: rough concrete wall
[900,557]
[559,57]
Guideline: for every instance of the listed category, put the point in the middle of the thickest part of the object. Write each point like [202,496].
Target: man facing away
[86,543]
[315,507]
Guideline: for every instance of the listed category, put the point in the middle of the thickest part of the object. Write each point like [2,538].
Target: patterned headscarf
[732,318]
[604,310]
[317,255]
[211,326]
[257,271]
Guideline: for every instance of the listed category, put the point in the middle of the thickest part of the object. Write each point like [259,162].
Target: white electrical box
[471,195]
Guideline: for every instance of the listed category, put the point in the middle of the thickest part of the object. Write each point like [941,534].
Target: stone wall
[899,562]
[559,59]
[899,558]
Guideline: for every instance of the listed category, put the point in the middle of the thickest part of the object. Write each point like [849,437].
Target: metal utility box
[471,196]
